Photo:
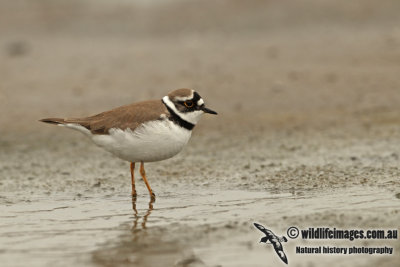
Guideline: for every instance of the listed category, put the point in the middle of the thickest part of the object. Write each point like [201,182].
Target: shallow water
[207,227]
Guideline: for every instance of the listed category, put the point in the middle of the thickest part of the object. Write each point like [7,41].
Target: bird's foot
[153,196]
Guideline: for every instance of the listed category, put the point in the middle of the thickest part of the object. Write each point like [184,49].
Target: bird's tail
[54,121]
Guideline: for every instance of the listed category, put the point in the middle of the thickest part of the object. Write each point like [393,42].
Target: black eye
[189,103]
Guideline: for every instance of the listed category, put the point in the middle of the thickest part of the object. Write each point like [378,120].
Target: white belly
[153,141]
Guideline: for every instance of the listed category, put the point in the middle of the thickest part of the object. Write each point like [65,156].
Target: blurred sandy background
[269,62]
[308,95]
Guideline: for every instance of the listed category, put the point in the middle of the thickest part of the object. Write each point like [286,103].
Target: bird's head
[187,104]
[264,239]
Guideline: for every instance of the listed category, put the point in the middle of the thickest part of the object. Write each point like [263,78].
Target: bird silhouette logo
[274,240]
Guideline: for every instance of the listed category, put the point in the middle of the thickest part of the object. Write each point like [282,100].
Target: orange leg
[133,179]
[143,173]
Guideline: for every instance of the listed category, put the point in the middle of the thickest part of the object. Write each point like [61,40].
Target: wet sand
[79,212]
[307,133]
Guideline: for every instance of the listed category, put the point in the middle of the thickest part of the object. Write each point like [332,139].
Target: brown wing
[129,116]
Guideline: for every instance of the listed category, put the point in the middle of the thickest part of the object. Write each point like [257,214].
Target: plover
[145,131]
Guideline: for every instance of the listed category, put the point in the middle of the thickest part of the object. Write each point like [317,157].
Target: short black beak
[207,110]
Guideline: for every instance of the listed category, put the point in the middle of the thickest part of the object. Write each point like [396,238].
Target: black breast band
[178,120]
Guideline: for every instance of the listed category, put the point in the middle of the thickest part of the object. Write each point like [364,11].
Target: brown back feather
[129,116]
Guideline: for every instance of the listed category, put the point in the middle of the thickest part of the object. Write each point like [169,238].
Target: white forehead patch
[200,102]
[184,98]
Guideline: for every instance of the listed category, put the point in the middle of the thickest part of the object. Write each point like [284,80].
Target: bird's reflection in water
[137,216]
